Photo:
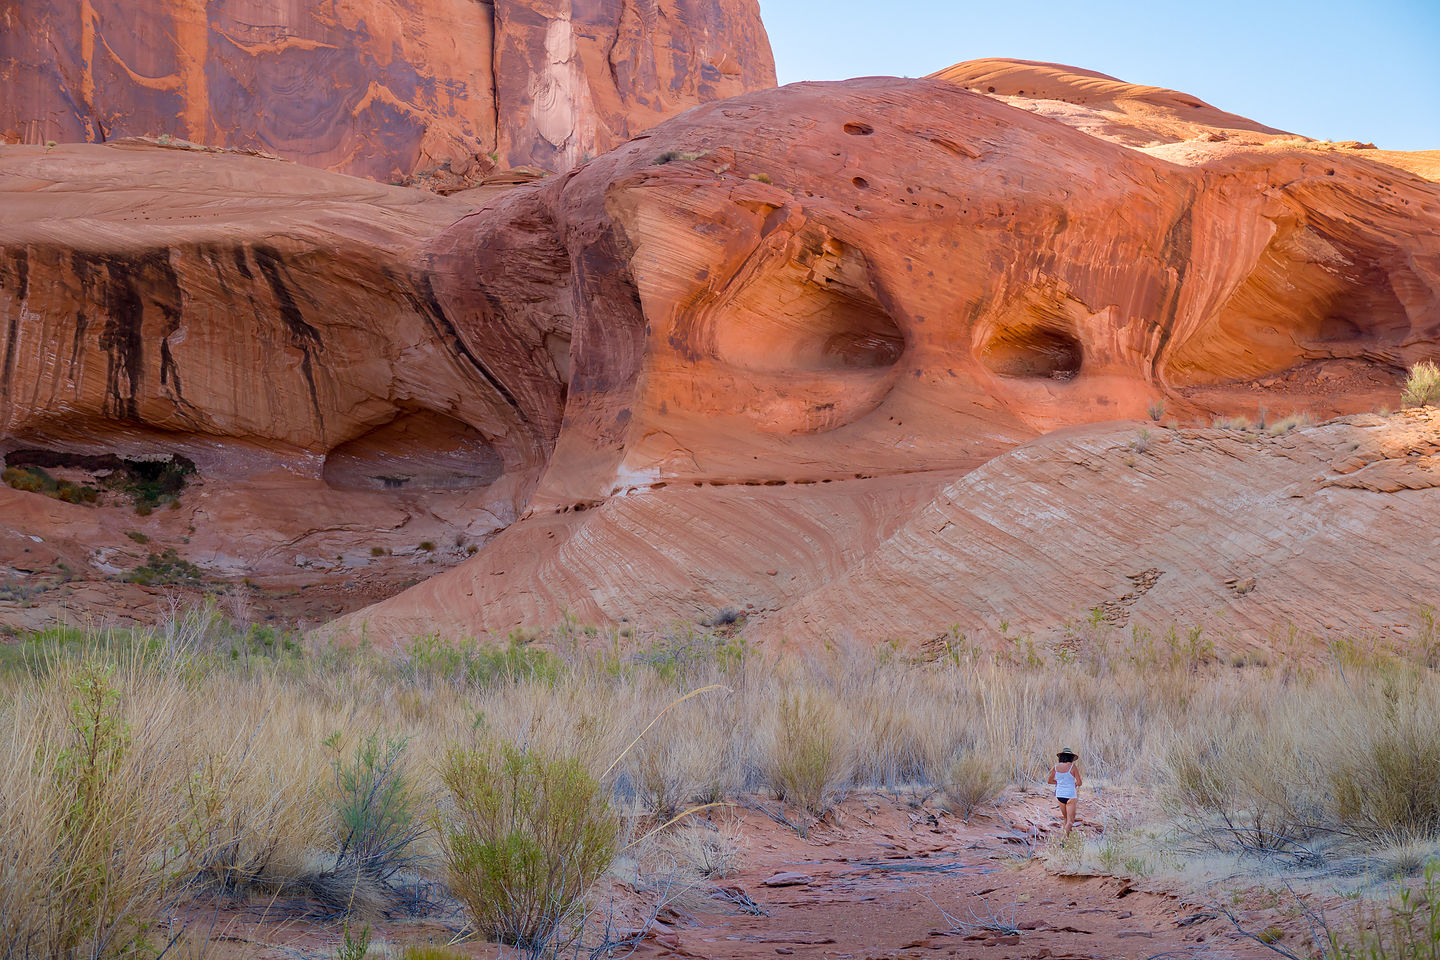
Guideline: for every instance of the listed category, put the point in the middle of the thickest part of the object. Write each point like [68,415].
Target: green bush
[527,837]
[1408,930]
[810,763]
[150,483]
[167,567]
[437,658]
[1422,386]
[101,873]
[36,480]
[373,808]
[354,946]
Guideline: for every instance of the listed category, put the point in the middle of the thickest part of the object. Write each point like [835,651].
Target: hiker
[1066,777]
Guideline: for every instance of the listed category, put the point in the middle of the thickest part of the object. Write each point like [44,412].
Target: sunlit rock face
[791,316]
[748,357]
[376,88]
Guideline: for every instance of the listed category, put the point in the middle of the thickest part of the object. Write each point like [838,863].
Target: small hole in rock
[861,182]
[857,129]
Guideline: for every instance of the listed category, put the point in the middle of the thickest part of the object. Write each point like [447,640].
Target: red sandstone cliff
[756,356]
[375,88]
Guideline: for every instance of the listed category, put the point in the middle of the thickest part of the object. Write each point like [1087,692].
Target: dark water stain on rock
[303,336]
[14,274]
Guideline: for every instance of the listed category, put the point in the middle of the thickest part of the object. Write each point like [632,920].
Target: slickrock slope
[1332,530]
[731,362]
[1143,117]
[1104,106]
[376,88]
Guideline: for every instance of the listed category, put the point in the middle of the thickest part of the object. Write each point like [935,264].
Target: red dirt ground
[877,881]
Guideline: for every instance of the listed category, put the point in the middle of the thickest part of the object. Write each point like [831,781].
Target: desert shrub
[709,850]
[436,658]
[373,802]
[32,479]
[810,762]
[1237,791]
[151,483]
[84,834]
[167,568]
[1407,928]
[353,946]
[1156,409]
[1377,766]
[265,640]
[430,951]
[526,838]
[512,662]
[1422,386]
[968,782]
[25,479]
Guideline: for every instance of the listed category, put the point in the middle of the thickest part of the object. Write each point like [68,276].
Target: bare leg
[1070,806]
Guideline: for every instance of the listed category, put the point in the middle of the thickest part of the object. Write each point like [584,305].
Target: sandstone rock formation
[1103,106]
[888,283]
[756,356]
[264,321]
[376,88]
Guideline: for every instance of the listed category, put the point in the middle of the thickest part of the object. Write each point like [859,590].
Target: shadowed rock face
[375,88]
[728,361]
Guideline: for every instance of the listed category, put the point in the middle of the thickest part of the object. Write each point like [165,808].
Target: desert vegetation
[1422,385]
[196,762]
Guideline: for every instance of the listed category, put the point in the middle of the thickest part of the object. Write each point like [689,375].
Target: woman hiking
[1065,775]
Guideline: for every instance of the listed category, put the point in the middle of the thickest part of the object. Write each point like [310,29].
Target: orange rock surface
[755,356]
[376,88]
[885,284]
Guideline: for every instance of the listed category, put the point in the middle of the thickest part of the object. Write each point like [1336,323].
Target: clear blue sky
[1326,69]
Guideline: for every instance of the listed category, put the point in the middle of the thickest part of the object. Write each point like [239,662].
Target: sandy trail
[875,884]
[872,885]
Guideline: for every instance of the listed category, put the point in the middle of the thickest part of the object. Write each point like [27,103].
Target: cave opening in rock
[813,314]
[419,451]
[1039,351]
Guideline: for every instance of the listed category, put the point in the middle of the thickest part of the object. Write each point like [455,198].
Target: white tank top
[1065,784]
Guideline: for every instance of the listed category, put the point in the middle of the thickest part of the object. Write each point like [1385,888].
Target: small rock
[785,950]
[1135,933]
[1029,924]
[1124,916]
[788,878]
